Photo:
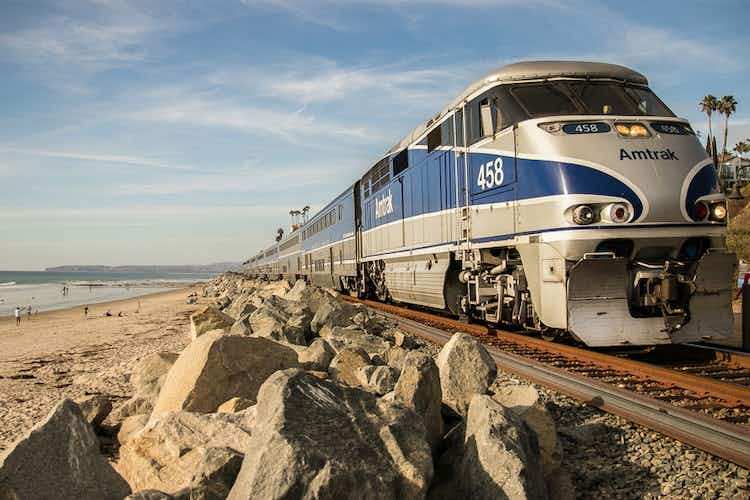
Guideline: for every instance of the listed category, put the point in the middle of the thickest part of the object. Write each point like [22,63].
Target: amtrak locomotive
[557,196]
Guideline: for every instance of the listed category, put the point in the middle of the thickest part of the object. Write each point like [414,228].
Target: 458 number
[491,174]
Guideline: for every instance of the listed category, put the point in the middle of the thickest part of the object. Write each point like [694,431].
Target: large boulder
[345,365]
[149,373]
[297,292]
[495,456]
[332,312]
[317,356]
[130,427]
[215,475]
[317,439]
[137,405]
[466,369]
[282,320]
[234,405]
[418,387]
[59,455]
[241,306]
[165,454]
[523,401]
[352,337]
[209,319]
[216,367]
[95,408]
[278,288]
[379,379]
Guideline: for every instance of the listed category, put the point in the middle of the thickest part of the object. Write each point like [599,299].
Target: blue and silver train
[557,196]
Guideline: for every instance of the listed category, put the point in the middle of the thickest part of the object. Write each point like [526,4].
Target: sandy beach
[61,354]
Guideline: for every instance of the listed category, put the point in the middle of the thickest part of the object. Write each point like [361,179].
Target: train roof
[530,70]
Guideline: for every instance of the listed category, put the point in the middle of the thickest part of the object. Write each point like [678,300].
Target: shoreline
[97,304]
[60,354]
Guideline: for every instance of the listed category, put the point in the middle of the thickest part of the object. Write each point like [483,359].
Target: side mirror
[486,113]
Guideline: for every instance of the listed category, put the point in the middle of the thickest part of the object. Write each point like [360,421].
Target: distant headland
[218,267]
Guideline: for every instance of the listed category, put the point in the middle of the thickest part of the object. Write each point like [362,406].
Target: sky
[183,132]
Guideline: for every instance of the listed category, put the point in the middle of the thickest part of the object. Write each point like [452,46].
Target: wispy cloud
[141,212]
[132,161]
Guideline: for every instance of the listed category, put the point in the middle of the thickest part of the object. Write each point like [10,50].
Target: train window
[380,174]
[459,127]
[401,162]
[446,132]
[341,210]
[648,103]
[605,99]
[544,100]
[433,142]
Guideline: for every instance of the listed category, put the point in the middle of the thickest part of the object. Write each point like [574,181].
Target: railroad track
[706,413]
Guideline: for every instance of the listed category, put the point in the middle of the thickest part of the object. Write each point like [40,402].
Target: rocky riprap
[289,392]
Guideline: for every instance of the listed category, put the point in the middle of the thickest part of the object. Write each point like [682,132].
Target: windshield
[588,98]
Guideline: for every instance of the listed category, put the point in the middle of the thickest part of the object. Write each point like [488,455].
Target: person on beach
[86,312]
[18,315]
[28,312]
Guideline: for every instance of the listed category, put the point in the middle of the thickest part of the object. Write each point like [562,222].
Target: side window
[446,132]
[401,162]
[341,210]
[459,127]
[433,142]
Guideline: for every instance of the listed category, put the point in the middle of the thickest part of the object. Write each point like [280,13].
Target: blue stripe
[431,186]
[705,182]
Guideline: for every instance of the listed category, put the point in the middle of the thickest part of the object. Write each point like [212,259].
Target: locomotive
[557,196]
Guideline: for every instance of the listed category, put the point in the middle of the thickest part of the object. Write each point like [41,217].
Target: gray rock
[497,458]
[149,495]
[95,409]
[207,320]
[395,357]
[59,454]
[137,405]
[317,439]
[234,405]
[317,356]
[130,427]
[167,452]
[282,320]
[418,388]
[332,312]
[242,326]
[241,306]
[215,475]
[353,337]
[466,369]
[382,380]
[523,400]
[297,292]
[215,368]
[345,364]
[149,373]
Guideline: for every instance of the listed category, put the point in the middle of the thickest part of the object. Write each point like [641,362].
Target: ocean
[43,290]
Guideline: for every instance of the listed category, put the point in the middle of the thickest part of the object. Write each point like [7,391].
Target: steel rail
[727,441]
[733,394]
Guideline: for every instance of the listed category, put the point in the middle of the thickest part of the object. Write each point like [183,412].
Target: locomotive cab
[614,210]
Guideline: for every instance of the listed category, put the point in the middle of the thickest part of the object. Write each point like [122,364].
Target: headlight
[719,211]
[551,127]
[632,130]
[619,213]
[700,211]
[583,215]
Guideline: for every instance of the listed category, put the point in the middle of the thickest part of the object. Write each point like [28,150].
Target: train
[558,197]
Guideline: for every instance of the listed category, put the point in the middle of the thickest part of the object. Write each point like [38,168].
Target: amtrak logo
[384,206]
[648,154]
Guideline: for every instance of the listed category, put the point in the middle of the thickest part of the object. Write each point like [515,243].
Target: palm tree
[305,209]
[708,105]
[727,106]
